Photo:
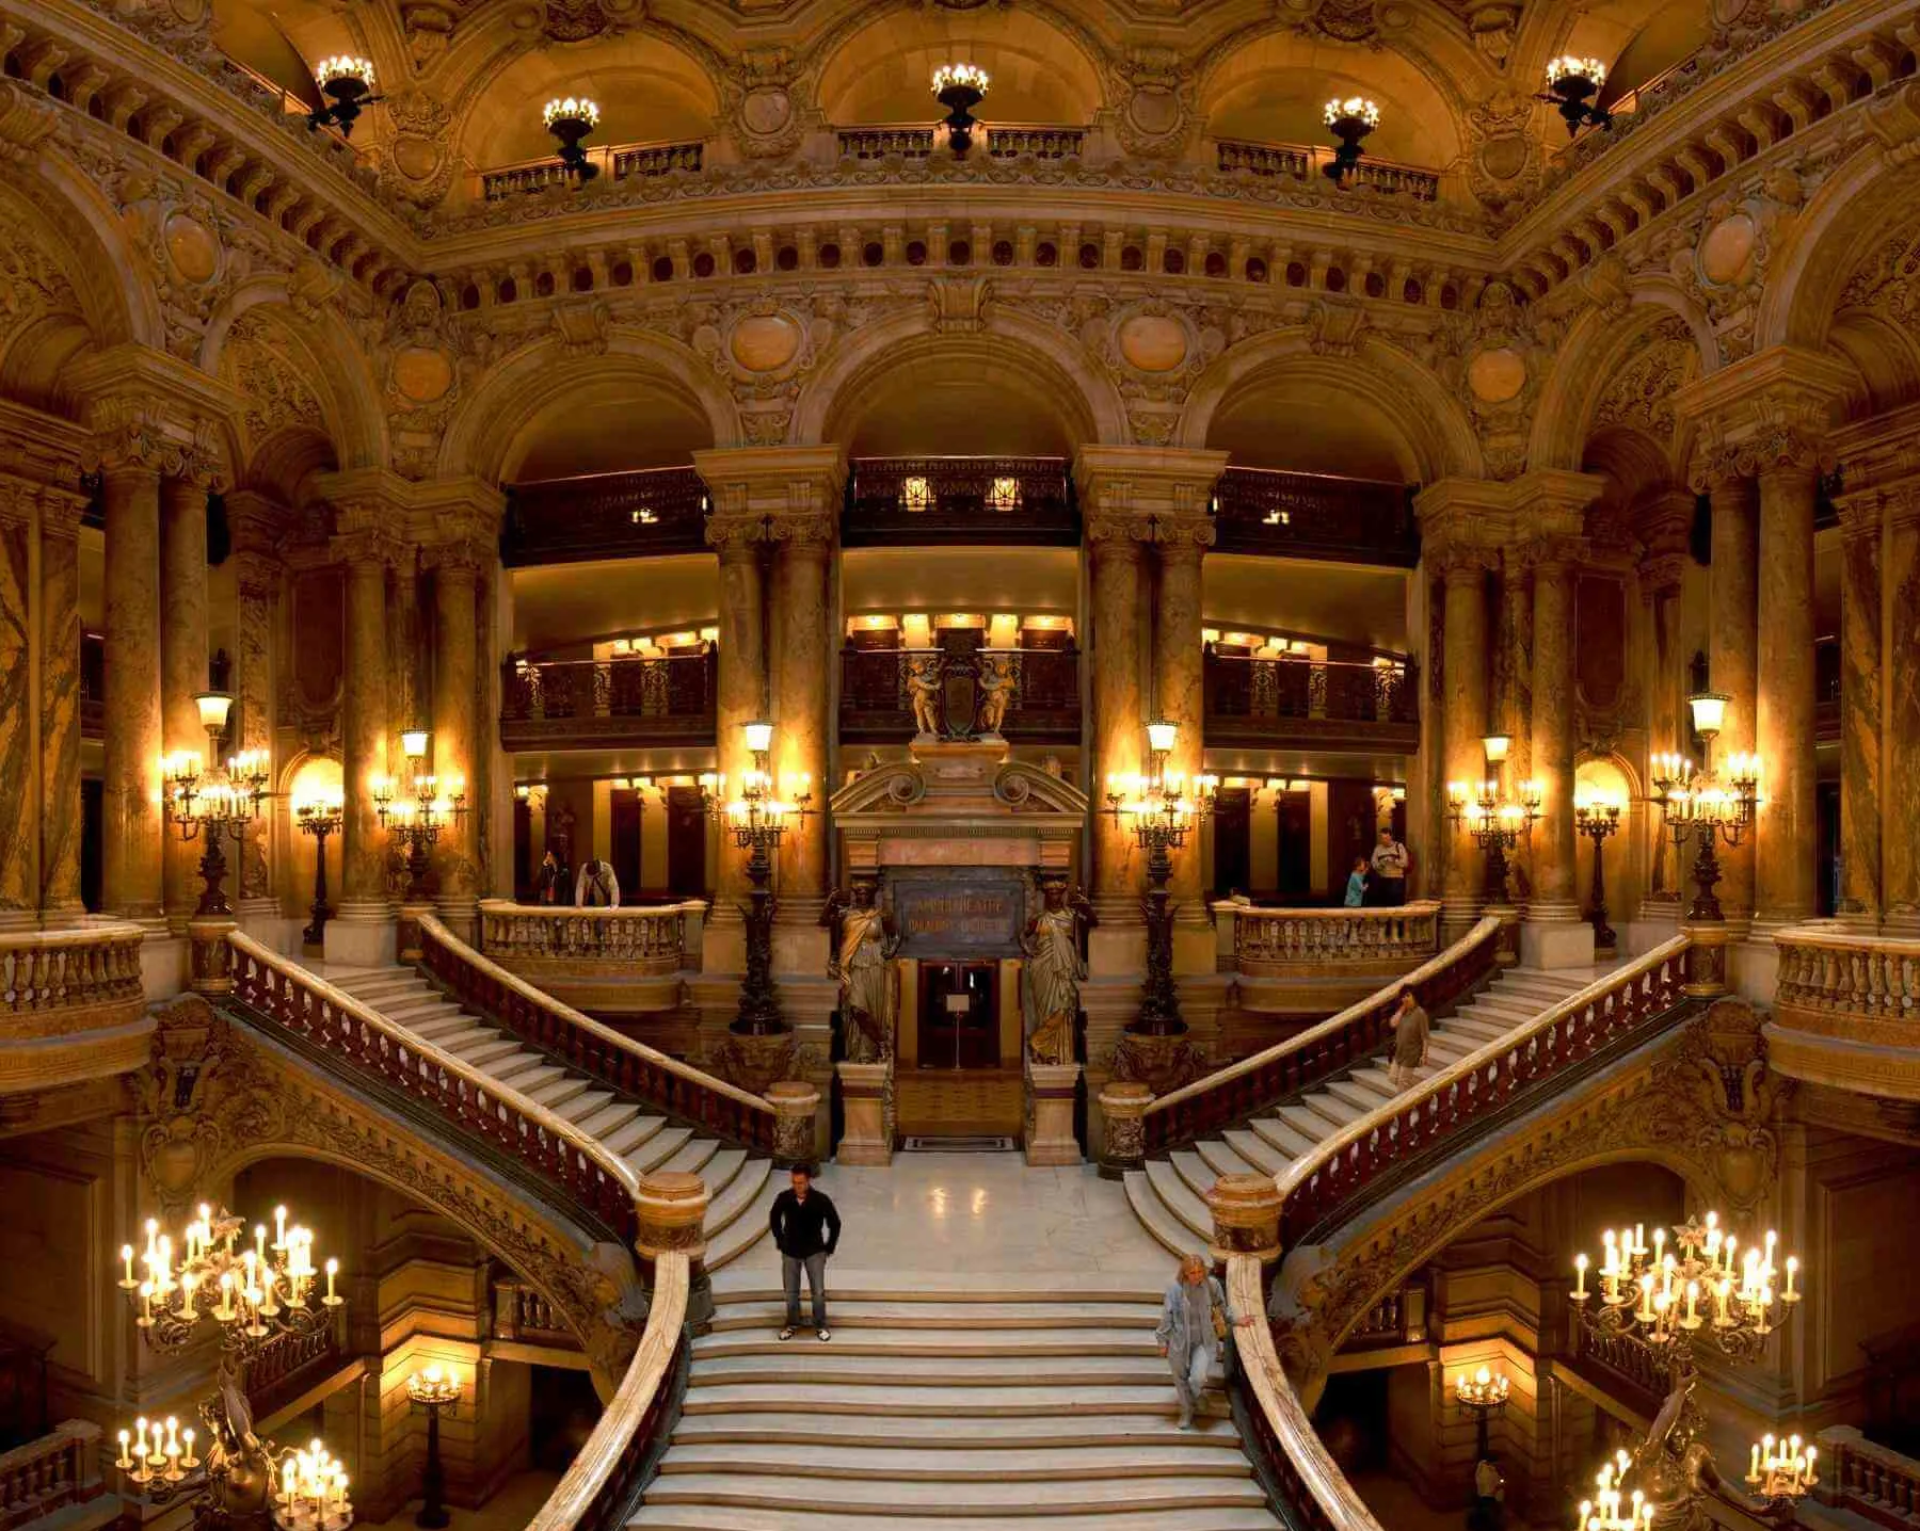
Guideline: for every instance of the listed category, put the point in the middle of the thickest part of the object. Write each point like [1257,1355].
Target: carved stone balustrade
[45,1476]
[1311,962]
[1303,162]
[618,162]
[1869,1479]
[605,703]
[1847,1011]
[71,1006]
[603,961]
[1255,701]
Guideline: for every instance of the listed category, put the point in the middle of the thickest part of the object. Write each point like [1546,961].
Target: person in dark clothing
[806,1230]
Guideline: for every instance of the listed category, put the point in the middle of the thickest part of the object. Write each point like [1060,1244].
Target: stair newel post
[211,956]
[1123,1108]
[796,1105]
[1246,1218]
[672,1209]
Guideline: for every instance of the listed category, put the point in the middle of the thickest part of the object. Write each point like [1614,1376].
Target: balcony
[615,162]
[611,963]
[1307,964]
[1307,162]
[1004,141]
[948,501]
[1846,1011]
[606,703]
[1315,515]
[605,515]
[876,707]
[1256,702]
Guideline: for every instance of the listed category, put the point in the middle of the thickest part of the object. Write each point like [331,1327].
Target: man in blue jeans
[805,1230]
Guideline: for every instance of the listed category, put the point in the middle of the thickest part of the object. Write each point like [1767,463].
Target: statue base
[866,1092]
[1162,1063]
[1050,1094]
[755,1063]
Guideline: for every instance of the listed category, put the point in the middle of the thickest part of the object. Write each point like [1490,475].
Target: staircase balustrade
[609,1472]
[640,939]
[46,971]
[1273,942]
[1316,1188]
[1321,1052]
[605,1056]
[1869,1479]
[1848,974]
[577,1170]
[45,1476]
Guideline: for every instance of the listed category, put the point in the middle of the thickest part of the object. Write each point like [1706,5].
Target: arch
[1042,68]
[489,428]
[1586,364]
[1009,350]
[1430,431]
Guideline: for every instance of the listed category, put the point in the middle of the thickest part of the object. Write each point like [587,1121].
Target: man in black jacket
[806,1228]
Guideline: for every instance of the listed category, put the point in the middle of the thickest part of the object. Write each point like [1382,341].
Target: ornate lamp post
[1162,810]
[959,87]
[1498,821]
[206,805]
[1483,1395]
[416,821]
[1665,1302]
[1351,121]
[254,1295]
[1598,821]
[433,1391]
[1701,803]
[320,815]
[758,819]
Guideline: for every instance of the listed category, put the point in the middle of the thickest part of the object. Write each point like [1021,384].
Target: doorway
[959,1015]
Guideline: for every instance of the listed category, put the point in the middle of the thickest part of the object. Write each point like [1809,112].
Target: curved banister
[596,1492]
[1338,1042]
[583,1171]
[95,964]
[606,1055]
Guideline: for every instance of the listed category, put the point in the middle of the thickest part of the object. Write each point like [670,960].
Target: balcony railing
[599,703]
[523,1314]
[875,705]
[1869,1479]
[1004,140]
[75,998]
[922,501]
[616,162]
[1304,162]
[1275,942]
[45,1476]
[1316,515]
[605,515]
[1330,703]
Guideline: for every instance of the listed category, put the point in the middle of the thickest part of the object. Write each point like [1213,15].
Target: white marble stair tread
[1284,1135]
[1486,1030]
[1198,1175]
[1331,1109]
[659,1148]
[1381,1082]
[740,1215]
[898,1400]
[1172,1234]
[608,1118]
[972,1433]
[558,1094]
[1007,1465]
[853,1496]
[850,1315]
[692,1158]
[717,1173]
[804,1359]
[1221,1159]
[852,1283]
[1256,1150]
[702,1517]
[585,1106]
[625,1139]
[909,1342]
[1360,1093]
[1179,1197]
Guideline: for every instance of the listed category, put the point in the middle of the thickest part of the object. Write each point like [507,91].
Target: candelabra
[1700,804]
[1598,821]
[1350,121]
[254,1296]
[1665,1303]
[207,805]
[416,821]
[1572,85]
[320,815]
[433,1391]
[569,119]
[1483,1395]
[758,819]
[1162,810]
[1498,822]
[959,88]
[347,83]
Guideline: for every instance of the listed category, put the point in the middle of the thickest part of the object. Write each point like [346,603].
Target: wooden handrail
[582,1171]
[1316,1054]
[597,1490]
[603,1054]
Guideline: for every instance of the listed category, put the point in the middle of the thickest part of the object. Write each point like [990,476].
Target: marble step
[722,1165]
[1524,982]
[982,1317]
[861,1370]
[1471,1024]
[851,1497]
[608,1118]
[1267,1158]
[692,1158]
[1329,1108]
[777,1427]
[656,1150]
[738,1220]
[454,1024]
[419,1007]
[1287,1138]
[702,1517]
[1167,1230]
[1196,1174]
[917,1342]
[1360,1093]
[1180,1198]
[586,1106]
[870,1461]
[1495,1003]
[558,1093]
[624,1140]
[866,1285]
[1042,1400]
[1221,1159]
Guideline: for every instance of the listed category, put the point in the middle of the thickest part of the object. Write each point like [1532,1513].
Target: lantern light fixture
[1572,85]
[960,87]
[1351,120]
[346,80]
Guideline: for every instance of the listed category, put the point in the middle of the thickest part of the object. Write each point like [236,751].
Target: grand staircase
[965,1404]
[738,1183]
[1168,1195]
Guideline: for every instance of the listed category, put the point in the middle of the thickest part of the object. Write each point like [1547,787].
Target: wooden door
[1233,842]
[625,850]
[686,843]
[959,1015]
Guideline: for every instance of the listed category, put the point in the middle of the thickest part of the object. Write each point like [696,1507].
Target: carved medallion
[422,373]
[764,342]
[1153,343]
[192,247]
[1497,375]
[1726,253]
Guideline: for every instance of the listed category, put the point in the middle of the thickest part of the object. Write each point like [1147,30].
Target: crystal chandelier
[1572,83]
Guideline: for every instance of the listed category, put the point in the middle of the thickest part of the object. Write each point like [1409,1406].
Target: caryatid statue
[864,949]
[996,686]
[1050,988]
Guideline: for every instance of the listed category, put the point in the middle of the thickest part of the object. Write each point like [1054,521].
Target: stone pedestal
[1246,1218]
[1123,1104]
[1162,1063]
[1706,959]
[407,933]
[672,1206]
[1050,1093]
[1507,953]
[211,957]
[866,1091]
[753,1063]
[794,1103]
[360,935]
[1552,944]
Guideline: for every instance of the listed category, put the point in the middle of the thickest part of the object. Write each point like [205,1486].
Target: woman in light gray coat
[1187,1334]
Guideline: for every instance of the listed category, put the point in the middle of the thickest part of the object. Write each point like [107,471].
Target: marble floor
[511,1509]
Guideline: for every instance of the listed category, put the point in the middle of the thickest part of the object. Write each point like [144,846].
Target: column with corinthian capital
[1733,653]
[1179,690]
[1554,934]
[1900,727]
[455,569]
[362,931]
[1665,529]
[1862,684]
[741,683]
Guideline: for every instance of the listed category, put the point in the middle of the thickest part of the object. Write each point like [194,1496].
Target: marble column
[1514,715]
[1862,682]
[1662,588]
[1900,728]
[254,525]
[59,638]
[363,843]
[1734,628]
[1112,652]
[19,807]
[742,679]
[802,690]
[1179,686]
[1464,662]
[132,821]
[184,621]
[456,736]
[1555,899]
[1786,842]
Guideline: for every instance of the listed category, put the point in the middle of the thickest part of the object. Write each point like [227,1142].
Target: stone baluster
[184,620]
